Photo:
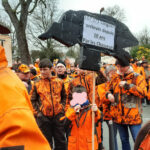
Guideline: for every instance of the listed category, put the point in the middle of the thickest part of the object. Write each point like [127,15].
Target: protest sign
[98,33]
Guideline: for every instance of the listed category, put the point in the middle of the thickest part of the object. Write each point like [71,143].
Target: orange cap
[24,68]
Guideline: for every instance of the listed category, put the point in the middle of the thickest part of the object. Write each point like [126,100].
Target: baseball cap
[23,68]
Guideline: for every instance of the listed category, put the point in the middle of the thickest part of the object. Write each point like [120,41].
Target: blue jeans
[115,134]
[124,134]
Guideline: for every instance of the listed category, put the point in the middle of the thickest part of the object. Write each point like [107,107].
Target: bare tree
[116,12]
[19,15]
[39,22]
[144,37]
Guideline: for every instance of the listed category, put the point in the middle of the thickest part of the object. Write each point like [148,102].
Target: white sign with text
[98,33]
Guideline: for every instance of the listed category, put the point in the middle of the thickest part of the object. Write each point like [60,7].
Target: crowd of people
[61,96]
[52,105]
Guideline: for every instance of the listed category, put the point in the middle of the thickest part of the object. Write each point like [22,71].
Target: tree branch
[43,2]
[15,10]
[34,6]
[11,13]
[24,11]
[22,2]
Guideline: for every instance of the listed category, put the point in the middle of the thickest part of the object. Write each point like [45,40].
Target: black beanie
[33,71]
[123,58]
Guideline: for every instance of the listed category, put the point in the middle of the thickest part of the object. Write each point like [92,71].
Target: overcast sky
[137,12]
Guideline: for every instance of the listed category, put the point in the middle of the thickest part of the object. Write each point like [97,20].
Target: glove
[122,83]
[77,108]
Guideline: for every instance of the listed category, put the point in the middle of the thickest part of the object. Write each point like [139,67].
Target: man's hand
[111,98]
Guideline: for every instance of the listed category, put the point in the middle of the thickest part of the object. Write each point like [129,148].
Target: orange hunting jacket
[66,81]
[128,99]
[80,137]
[49,96]
[102,89]
[17,124]
[139,70]
[148,93]
[108,107]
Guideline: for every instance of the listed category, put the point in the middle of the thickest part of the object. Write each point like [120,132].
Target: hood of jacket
[3,59]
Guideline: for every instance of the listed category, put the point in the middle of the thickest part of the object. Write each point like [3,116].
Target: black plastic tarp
[69,30]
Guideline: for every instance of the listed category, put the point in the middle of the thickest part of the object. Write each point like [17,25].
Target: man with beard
[24,75]
[62,74]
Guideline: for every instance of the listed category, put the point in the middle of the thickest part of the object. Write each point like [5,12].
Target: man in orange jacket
[18,128]
[62,74]
[128,88]
[48,98]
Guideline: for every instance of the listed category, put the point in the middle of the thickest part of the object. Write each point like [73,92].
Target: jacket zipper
[51,97]
[122,107]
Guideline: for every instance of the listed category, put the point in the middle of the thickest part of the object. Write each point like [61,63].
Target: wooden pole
[93,114]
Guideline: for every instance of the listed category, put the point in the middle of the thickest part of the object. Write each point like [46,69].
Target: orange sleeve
[18,127]
[139,89]
[145,145]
